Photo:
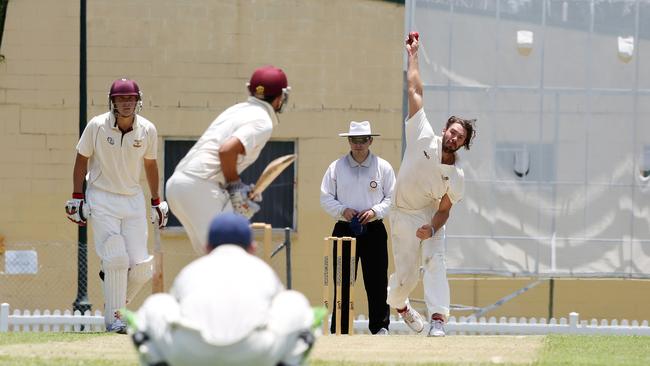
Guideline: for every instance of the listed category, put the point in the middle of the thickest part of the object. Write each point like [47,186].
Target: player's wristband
[155,201]
[77,195]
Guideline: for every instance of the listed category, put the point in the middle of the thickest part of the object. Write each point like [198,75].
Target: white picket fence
[522,326]
[67,321]
[47,321]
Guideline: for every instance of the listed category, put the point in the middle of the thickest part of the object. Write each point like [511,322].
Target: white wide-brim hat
[359,129]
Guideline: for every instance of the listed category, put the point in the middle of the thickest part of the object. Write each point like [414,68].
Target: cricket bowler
[430,181]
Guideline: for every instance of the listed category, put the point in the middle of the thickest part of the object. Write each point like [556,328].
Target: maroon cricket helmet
[124,87]
[267,81]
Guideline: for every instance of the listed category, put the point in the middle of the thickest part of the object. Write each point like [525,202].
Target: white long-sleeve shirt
[359,186]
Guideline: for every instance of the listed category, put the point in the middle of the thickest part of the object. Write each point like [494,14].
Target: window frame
[179,229]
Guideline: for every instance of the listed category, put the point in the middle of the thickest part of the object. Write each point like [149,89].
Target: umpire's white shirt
[251,122]
[115,159]
[422,179]
[360,186]
[226,294]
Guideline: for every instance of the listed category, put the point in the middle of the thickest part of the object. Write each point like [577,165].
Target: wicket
[339,280]
[267,238]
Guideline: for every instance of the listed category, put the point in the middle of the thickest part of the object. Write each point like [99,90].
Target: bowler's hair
[468,125]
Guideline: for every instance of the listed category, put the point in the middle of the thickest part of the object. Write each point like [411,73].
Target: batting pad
[115,263]
[138,276]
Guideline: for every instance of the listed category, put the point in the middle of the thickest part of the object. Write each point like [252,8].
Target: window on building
[277,207]
[645,162]
[3,15]
[524,161]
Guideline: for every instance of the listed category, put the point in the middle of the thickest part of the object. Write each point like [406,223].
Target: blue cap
[230,228]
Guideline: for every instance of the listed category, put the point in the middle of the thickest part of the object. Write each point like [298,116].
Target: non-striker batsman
[112,150]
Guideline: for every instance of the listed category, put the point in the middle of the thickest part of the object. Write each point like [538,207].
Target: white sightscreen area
[558,180]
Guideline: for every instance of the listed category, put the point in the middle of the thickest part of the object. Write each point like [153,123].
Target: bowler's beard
[448,150]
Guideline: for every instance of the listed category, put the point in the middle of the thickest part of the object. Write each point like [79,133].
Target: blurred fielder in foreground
[225,308]
[112,149]
[206,181]
[356,190]
[429,182]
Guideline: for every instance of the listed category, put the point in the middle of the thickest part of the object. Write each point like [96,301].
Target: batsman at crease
[206,181]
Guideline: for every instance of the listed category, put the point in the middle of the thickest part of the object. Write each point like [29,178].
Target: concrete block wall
[191,60]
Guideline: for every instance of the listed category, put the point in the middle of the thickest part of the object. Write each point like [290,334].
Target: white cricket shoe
[437,328]
[118,326]
[413,319]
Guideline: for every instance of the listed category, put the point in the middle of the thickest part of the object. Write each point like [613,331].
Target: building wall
[192,59]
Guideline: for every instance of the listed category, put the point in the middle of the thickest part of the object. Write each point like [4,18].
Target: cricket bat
[272,171]
[158,284]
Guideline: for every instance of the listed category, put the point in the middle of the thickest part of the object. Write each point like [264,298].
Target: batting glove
[159,212]
[76,209]
[256,198]
[241,204]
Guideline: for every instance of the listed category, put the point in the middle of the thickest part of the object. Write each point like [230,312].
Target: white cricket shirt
[422,179]
[226,294]
[116,159]
[251,122]
[348,184]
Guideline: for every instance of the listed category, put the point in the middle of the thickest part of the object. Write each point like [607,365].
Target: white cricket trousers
[119,225]
[195,202]
[406,254]
[116,214]
[180,344]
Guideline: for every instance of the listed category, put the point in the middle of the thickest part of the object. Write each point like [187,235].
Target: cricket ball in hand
[413,36]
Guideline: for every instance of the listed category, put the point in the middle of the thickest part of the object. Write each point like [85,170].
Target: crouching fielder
[225,308]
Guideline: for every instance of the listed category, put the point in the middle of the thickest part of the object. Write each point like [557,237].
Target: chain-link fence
[39,275]
[44,275]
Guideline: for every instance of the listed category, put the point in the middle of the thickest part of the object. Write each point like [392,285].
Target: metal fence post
[287,250]
[81,302]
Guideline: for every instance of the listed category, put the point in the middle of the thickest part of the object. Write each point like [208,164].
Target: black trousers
[372,250]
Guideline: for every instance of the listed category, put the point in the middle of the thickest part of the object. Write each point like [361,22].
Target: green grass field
[101,349]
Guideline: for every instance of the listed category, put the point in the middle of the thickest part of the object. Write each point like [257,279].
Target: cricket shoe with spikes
[118,325]
[412,318]
[437,326]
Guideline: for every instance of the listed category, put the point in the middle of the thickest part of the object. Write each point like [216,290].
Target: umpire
[356,190]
